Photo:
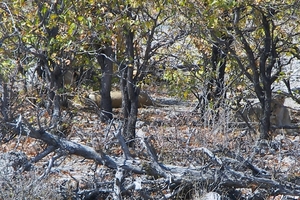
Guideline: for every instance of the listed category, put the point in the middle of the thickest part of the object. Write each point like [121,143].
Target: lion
[116,99]
[280,115]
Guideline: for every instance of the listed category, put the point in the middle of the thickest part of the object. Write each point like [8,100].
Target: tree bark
[130,90]
[104,59]
[218,59]
[265,76]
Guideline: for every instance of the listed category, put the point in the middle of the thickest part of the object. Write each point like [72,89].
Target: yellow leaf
[185,94]
[53,16]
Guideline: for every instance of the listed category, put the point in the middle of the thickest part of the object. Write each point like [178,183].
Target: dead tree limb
[220,172]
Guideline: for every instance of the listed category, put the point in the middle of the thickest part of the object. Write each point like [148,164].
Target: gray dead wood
[220,173]
[287,127]
[122,142]
[118,184]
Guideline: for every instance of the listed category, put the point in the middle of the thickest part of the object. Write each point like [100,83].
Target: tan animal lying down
[116,99]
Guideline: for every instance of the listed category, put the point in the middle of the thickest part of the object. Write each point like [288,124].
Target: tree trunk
[104,59]
[126,107]
[265,120]
[130,91]
[219,63]
[265,68]
[215,87]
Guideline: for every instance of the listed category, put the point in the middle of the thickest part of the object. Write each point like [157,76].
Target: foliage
[188,41]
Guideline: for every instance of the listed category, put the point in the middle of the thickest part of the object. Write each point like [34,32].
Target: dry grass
[176,134]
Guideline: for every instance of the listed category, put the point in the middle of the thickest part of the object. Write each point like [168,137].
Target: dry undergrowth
[175,132]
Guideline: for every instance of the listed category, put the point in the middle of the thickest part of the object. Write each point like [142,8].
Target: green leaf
[71,29]
[80,18]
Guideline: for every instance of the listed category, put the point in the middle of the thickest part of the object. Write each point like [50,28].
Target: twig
[122,142]
[210,154]
[117,184]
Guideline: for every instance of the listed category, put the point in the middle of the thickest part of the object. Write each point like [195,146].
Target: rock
[211,196]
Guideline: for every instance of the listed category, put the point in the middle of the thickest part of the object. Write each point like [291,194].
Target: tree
[266,51]
[253,37]
[142,27]
[130,39]
[206,77]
